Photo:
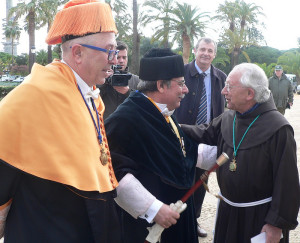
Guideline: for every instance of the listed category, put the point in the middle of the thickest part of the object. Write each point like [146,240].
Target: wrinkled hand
[121,89]
[273,234]
[166,216]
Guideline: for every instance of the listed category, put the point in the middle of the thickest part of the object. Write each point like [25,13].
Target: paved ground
[210,202]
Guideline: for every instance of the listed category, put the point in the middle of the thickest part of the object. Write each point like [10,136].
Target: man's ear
[77,53]
[160,86]
[251,94]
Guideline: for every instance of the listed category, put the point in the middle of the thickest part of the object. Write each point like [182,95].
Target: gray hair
[151,86]
[88,39]
[254,77]
[207,40]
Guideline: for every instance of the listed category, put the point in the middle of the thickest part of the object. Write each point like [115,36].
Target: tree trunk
[186,48]
[12,53]
[135,41]
[231,26]
[49,53]
[166,34]
[31,32]
[235,57]
[49,46]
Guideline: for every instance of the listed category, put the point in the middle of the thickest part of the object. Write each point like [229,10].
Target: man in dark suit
[204,101]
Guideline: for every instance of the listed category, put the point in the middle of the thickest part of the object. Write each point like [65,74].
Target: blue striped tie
[202,114]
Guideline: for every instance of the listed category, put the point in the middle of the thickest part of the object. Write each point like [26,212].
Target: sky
[281,20]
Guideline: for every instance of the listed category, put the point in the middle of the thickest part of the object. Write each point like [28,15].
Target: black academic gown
[266,167]
[142,143]
[50,212]
[111,98]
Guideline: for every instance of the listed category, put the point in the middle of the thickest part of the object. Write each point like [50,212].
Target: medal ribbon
[178,135]
[174,128]
[236,149]
[99,136]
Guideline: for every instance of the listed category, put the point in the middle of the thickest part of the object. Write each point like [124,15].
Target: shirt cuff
[152,211]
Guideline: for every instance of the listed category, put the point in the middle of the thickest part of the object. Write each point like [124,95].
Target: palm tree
[35,11]
[269,69]
[29,10]
[290,62]
[122,19]
[128,29]
[221,59]
[5,61]
[42,57]
[249,18]
[12,31]
[186,25]
[234,42]
[135,39]
[227,13]
[242,19]
[118,7]
[248,14]
[159,12]
[46,17]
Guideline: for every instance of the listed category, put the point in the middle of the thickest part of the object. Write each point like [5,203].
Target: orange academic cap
[79,18]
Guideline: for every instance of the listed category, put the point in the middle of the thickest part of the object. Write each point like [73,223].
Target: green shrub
[4,90]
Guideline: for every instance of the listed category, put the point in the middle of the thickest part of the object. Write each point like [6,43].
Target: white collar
[207,72]
[163,108]
[82,85]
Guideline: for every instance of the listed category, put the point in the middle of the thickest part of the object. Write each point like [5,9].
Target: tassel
[81,19]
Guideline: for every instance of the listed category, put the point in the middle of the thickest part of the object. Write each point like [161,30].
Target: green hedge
[4,90]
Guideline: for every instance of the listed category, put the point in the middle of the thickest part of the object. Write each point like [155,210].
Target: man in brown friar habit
[56,177]
[260,184]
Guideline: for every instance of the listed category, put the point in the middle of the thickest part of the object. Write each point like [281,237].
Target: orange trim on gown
[47,131]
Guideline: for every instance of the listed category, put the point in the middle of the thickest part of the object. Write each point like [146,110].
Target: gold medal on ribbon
[232,165]
[103,156]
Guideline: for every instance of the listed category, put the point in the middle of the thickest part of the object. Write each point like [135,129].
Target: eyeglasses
[229,87]
[111,53]
[181,83]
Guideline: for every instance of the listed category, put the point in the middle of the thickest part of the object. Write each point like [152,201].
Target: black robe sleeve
[286,191]
[9,178]
[204,133]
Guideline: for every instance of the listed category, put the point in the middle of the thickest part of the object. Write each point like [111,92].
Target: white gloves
[207,156]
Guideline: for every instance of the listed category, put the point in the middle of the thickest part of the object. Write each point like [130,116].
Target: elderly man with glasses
[259,188]
[56,176]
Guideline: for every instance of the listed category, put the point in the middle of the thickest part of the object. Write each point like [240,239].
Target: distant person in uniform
[281,89]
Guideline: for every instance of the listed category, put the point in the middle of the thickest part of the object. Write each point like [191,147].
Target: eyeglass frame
[180,83]
[111,53]
[229,87]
